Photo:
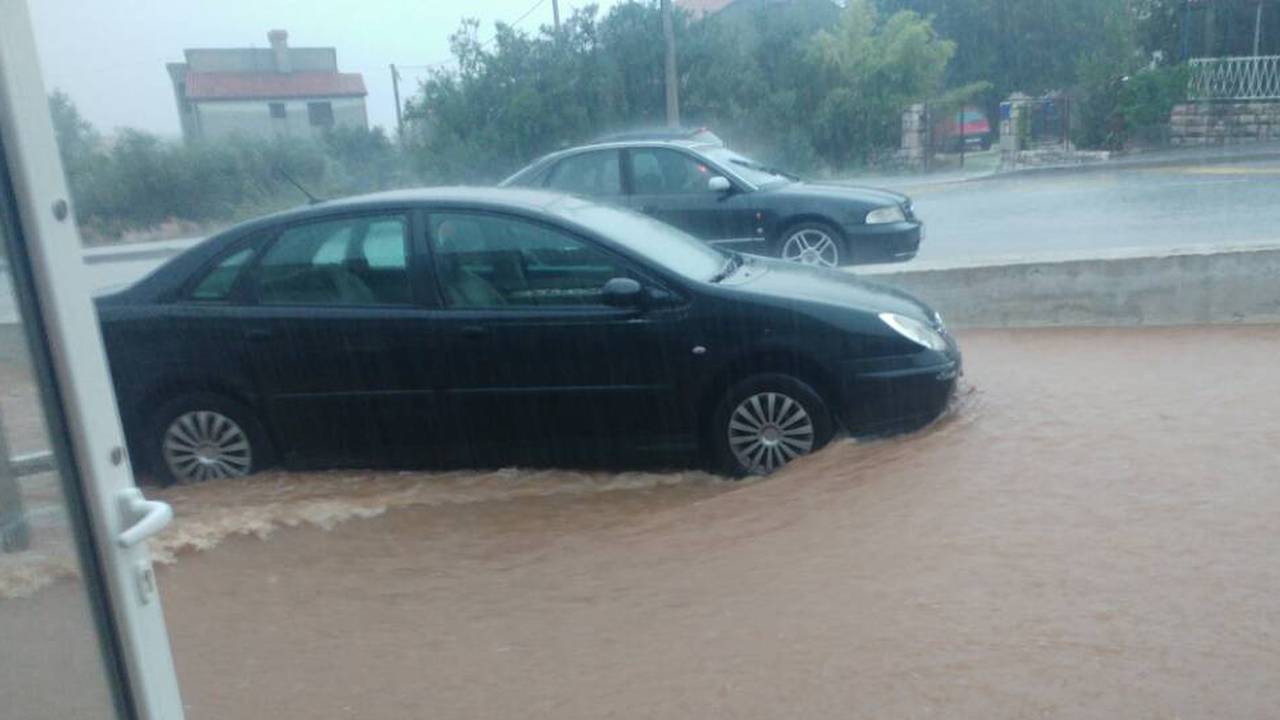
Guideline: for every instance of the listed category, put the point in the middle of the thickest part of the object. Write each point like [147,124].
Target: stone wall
[915,137]
[1224,122]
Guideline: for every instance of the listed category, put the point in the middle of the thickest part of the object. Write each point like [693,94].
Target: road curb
[1135,163]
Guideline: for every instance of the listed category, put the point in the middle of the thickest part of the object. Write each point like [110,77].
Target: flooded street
[1089,533]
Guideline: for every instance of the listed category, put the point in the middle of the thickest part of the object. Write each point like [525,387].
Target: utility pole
[555,14]
[1257,30]
[395,89]
[672,81]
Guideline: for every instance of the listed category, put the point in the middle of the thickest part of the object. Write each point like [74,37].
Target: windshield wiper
[733,263]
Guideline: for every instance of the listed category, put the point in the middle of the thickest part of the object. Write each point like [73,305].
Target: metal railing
[1235,78]
[15,535]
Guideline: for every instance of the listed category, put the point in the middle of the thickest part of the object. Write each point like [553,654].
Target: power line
[529,12]
[431,66]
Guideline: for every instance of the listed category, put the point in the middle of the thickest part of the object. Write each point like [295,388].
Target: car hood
[790,281]
[871,197]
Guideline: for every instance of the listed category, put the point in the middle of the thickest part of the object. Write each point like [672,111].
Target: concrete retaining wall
[1224,123]
[1187,287]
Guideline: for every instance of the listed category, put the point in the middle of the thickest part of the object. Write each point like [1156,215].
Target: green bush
[1115,110]
[137,180]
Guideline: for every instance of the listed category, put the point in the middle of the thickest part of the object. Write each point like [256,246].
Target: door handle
[148,517]
[472,331]
[649,209]
[257,334]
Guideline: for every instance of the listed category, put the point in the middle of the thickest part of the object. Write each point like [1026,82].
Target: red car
[968,127]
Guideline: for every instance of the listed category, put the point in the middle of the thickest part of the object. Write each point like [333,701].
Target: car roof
[697,145]
[614,144]
[657,133]
[506,197]
[480,196]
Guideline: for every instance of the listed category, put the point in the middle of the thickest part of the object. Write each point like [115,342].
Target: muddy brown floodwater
[1090,533]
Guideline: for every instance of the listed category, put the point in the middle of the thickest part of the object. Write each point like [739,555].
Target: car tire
[764,422]
[204,436]
[812,243]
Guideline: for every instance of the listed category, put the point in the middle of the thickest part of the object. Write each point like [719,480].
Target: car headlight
[915,331]
[887,214]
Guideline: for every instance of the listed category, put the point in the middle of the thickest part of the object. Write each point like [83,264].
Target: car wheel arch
[782,361]
[786,225]
[163,393]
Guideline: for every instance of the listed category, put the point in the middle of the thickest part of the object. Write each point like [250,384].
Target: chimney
[280,49]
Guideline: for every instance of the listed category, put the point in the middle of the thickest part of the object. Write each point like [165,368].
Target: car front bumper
[885,243]
[896,394]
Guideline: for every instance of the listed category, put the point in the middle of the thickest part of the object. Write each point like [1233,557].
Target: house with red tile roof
[265,92]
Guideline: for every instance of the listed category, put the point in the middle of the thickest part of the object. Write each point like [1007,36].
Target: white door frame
[91,446]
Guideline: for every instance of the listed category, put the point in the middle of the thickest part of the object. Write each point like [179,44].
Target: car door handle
[472,331]
[649,209]
[257,334]
[148,517]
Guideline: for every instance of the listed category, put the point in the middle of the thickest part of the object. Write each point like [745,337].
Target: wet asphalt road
[1084,212]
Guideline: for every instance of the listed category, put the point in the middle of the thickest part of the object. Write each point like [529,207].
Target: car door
[672,186]
[344,356]
[536,355]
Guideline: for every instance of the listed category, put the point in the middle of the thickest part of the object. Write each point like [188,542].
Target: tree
[786,83]
[870,70]
[81,149]
[1030,46]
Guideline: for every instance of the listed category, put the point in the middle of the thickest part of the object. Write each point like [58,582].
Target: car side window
[660,171]
[489,261]
[594,173]
[217,284]
[348,262]
[384,246]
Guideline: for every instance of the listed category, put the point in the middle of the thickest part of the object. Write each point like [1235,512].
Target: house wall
[258,60]
[253,117]
[186,114]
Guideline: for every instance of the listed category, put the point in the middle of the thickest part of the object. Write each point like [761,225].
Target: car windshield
[666,246]
[756,173]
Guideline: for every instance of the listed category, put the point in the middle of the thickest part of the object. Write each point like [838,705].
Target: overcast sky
[109,55]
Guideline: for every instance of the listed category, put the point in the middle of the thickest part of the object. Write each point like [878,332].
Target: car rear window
[217,284]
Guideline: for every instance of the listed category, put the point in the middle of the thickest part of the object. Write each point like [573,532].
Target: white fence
[1236,78]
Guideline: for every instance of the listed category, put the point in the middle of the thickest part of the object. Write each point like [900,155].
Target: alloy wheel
[768,430]
[811,246]
[206,445]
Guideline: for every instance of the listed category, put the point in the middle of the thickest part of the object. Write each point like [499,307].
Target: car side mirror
[719,184]
[622,292]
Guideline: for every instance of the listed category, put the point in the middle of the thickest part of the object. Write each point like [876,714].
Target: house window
[320,114]
[277,110]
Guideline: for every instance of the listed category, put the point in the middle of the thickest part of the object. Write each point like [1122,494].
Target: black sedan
[729,200]
[485,326]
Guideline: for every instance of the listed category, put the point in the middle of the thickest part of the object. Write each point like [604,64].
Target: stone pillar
[914,136]
[1013,129]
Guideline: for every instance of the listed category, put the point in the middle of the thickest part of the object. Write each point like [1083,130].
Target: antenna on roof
[311,199]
